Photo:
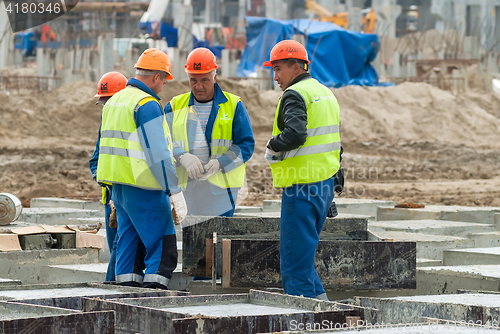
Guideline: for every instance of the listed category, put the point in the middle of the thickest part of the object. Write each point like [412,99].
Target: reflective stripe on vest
[121,157]
[221,141]
[318,158]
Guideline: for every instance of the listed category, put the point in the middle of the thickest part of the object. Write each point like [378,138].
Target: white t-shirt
[200,145]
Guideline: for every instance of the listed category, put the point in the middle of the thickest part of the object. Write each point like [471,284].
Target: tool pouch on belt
[339,181]
[113,223]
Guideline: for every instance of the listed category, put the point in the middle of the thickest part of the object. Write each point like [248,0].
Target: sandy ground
[409,143]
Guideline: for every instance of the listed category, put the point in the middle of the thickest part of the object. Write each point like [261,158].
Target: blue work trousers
[303,213]
[144,215]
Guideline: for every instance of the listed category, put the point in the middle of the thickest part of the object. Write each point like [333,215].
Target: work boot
[130,283]
[154,285]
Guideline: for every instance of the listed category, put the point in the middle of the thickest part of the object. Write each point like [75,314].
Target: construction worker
[135,156]
[213,139]
[109,84]
[304,156]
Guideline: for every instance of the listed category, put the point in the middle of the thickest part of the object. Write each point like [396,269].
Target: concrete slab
[69,295]
[429,246]
[483,215]
[246,209]
[29,266]
[255,312]
[56,216]
[55,202]
[486,239]
[428,262]
[449,279]
[24,318]
[197,229]
[478,308]
[8,282]
[430,226]
[356,206]
[471,256]
[96,272]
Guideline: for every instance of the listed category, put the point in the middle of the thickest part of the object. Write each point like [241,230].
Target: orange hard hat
[155,60]
[110,84]
[287,49]
[199,61]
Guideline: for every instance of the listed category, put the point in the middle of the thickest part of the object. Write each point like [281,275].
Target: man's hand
[179,207]
[212,167]
[270,155]
[193,165]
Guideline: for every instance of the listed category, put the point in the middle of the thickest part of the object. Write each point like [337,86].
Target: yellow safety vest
[121,157]
[222,139]
[318,158]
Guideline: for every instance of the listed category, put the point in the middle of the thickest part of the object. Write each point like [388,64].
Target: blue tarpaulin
[338,56]
[167,31]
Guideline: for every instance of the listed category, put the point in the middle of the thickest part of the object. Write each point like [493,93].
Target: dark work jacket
[292,119]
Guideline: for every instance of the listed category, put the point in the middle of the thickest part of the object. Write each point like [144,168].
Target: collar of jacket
[300,77]
[142,86]
[219,96]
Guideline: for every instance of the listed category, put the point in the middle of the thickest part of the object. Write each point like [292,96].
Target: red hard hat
[200,61]
[155,60]
[287,49]
[110,84]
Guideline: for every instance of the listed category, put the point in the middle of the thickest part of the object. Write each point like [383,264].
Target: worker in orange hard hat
[135,157]
[213,139]
[304,156]
[109,84]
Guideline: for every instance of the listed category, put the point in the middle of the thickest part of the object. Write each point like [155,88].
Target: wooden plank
[209,250]
[226,263]
[340,264]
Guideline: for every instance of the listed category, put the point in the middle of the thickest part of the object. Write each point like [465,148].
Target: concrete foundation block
[23,318]
[449,279]
[471,256]
[430,226]
[485,239]
[54,202]
[254,312]
[69,295]
[247,209]
[482,215]
[366,207]
[429,246]
[8,282]
[428,262]
[477,308]
[56,216]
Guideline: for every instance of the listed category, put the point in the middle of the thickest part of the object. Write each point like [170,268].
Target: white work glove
[270,155]
[212,167]
[193,165]
[179,211]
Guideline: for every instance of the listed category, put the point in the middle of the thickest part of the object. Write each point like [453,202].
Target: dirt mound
[68,113]
[418,111]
